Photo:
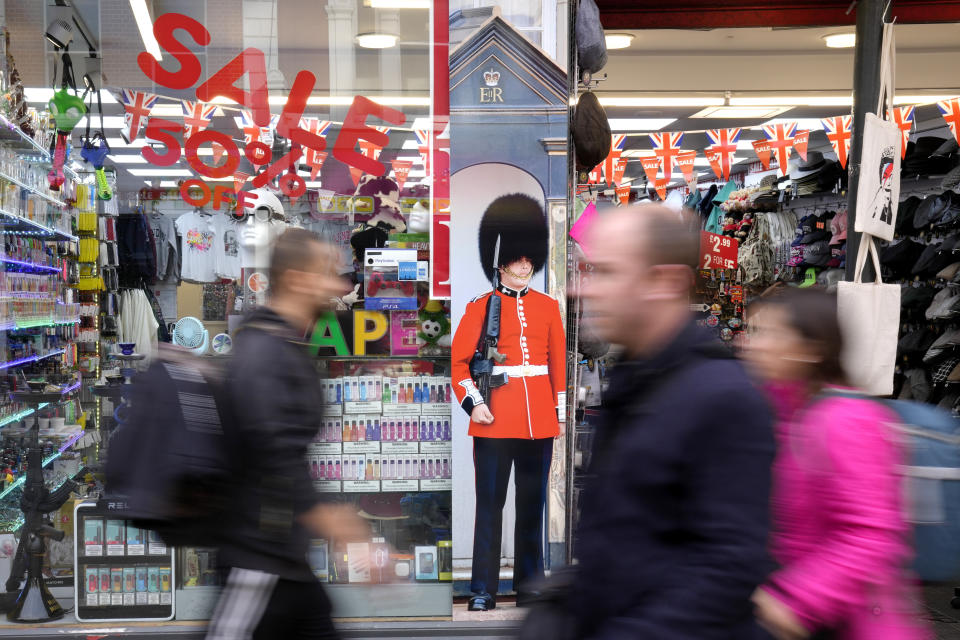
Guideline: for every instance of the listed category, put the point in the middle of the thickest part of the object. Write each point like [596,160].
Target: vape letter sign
[717,252]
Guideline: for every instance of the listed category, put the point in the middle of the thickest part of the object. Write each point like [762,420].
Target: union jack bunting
[136,109]
[838,130]
[666,146]
[780,137]
[423,147]
[617,143]
[724,142]
[251,132]
[196,116]
[950,109]
[903,116]
[370,150]
[314,158]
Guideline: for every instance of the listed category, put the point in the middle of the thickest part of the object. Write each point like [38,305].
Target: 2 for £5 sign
[718,252]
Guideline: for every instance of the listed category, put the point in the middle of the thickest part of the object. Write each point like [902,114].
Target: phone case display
[127,574]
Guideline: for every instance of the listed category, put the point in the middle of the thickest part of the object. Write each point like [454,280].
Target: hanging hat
[838,228]
[905,214]
[518,220]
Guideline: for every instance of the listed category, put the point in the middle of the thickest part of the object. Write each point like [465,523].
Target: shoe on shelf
[482,602]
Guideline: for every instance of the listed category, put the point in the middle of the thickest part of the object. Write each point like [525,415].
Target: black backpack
[171,461]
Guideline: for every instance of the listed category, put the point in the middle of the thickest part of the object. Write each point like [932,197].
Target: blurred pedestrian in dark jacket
[674,523]
[270,592]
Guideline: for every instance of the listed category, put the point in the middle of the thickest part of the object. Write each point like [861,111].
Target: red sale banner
[718,252]
[800,142]
[762,147]
[623,194]
[401,169]
[686,162]
[651,166]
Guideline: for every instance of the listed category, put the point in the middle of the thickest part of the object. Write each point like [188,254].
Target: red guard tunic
[532,339]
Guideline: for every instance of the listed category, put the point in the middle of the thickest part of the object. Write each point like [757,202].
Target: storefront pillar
[866,92]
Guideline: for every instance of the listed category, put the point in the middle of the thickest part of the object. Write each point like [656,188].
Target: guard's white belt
[523,370]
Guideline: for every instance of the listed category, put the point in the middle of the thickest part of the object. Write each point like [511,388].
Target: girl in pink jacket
[839,534]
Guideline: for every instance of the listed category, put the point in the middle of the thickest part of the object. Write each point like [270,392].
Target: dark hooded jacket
[672,538]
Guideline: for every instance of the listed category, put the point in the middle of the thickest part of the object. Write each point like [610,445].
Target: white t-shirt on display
[165,241]
[197,247]
[228,246]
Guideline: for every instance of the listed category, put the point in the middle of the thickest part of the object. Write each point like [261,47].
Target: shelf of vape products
[382,433]
[11,223]
[53,453]
[122,565]
[11,133]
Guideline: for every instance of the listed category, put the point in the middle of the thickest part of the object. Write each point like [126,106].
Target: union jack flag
[780,137]
[617,143]
[951,113]
[314,158]
[136,106]
[423,147]
[666,146]
[196,116]
[724,142]
[251,132]
[903,116]
[838,130]
[369,150]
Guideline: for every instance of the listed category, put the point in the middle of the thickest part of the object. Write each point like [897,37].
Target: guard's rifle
[486,354]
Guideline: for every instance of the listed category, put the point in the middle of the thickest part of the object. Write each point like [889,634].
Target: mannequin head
[264,224]
[419,219]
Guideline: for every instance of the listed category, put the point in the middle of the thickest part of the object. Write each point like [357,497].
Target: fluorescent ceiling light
[657,101]
[120,143]
[793,101]
[109,122]
[740,112]
[127,159]
[313,184]
[915,99]
[840,40]
[160,173]
[43,94]
[811,124]
[422,123]
[167,183]
[400,4]
[142,15]
[618,40]
[344,101]
[376,40]
[639,124]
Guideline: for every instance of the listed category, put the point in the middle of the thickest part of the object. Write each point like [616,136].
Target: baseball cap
[838,228]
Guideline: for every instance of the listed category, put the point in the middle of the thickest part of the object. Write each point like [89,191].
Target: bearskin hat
[520,223]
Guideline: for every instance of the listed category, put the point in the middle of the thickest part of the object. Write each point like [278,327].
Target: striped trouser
[241,605]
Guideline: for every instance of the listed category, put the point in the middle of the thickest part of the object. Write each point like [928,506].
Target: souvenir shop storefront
[749,119]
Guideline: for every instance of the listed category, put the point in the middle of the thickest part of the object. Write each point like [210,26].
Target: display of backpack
[931,439]
[170,461]
[591,43]
[933,487]
[591,132]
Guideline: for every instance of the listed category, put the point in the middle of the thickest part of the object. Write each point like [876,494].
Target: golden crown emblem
[492,78]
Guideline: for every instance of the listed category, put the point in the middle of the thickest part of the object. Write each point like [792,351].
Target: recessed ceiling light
[840,40]
[618,40]
[160,173]
[657,101]
[376,40]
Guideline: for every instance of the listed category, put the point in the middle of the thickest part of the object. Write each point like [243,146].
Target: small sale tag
[718,252]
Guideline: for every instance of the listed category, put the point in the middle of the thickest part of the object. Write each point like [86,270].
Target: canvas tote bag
[878,190]
[869,315]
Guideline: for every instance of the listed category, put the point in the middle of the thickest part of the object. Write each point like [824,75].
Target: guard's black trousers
[492,461]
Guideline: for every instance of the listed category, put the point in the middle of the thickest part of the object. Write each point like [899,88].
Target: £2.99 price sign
[718,252]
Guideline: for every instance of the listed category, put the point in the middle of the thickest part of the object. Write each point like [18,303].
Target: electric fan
[190,334]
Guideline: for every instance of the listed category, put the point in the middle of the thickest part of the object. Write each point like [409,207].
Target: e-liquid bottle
[339,398]
[446,468]
[430,468]
[423,468]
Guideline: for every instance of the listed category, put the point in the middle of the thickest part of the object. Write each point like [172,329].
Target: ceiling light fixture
[160,173]
[840,40]
[658,101]
[400,4]
[618,40]
[639,124]
[376,40]
[793,101]
[142,15]
[740,112]
[60,34]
